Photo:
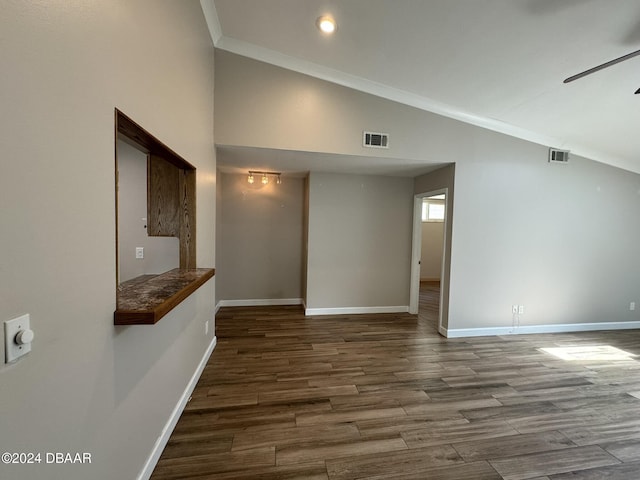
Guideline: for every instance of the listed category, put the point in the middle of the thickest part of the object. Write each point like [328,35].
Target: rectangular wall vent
[375,140]
[558,156]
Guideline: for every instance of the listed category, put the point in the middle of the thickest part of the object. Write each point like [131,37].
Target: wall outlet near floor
[514,309]
[632,306]
[520,309]
[139,252]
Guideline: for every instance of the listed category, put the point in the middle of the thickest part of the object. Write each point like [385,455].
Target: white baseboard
[151,462]
[533,329]
[217,308]
[259,302]
[356,310]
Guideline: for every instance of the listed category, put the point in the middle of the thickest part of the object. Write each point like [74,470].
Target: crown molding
[338,77]
[211,17]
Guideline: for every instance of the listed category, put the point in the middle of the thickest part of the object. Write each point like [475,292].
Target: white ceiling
[494,63]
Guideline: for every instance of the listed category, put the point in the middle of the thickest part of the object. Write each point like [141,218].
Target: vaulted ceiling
[499,64]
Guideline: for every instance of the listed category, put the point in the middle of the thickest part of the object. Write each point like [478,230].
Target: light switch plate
[12,350]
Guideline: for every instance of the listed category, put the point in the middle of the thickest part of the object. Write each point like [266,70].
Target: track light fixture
[265,176]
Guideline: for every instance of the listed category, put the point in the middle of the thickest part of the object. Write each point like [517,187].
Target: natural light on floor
[589,353]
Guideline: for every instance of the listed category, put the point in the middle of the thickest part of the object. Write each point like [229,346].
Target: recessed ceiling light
[326,24]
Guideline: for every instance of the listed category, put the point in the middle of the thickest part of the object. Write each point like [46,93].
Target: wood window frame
[171,211]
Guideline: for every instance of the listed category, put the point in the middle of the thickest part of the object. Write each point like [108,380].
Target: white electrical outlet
[632,306]
[520,309]
[139,252]
[514,309]
[17,337]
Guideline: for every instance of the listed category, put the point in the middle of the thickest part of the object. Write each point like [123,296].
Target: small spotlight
[326,24]
[265,180]
[278,180]
[250,178]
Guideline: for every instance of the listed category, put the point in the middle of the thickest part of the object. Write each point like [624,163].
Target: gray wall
[218,233]
[261,235]
[260,105]
[442,179]
[558,239]
[359,241]
[160,253]
[431,251]
[88,386]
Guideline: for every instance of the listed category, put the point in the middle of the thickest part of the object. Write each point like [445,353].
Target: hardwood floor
[429,303]
[286,396]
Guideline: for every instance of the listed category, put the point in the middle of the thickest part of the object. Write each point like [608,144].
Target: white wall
[160,253]
[88,386]
[261,237]
[559,239]
[359,242]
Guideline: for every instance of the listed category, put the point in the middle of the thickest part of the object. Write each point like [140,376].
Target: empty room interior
[274,239]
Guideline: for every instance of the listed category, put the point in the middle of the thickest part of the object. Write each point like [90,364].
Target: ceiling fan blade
[603,66]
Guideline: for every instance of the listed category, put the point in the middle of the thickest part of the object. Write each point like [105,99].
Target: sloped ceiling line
[322,72]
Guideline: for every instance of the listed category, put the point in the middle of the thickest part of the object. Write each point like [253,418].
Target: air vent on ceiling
[375,140]
[558,156]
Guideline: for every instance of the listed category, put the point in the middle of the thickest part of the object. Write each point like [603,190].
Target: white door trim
[416,250]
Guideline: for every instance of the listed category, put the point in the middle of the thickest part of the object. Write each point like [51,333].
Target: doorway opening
[428,257]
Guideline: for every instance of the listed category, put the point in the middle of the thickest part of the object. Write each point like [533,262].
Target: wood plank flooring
[286,396]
